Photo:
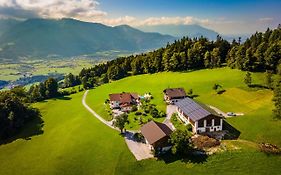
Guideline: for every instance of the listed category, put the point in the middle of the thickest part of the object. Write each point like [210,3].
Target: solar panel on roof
[192,109]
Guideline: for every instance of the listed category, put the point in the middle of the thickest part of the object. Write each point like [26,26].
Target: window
[201,123]
[209,122]
[217,122]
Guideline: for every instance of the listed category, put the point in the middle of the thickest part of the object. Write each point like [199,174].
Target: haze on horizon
[225,17]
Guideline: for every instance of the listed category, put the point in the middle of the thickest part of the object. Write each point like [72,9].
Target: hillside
[182,30]
[69,37]
[6,24]
[74,142]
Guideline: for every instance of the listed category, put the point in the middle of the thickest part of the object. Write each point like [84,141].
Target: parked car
[230,114]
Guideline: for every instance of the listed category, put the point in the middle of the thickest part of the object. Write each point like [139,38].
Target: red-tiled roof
[123,97]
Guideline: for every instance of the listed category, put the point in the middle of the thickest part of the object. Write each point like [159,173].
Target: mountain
[6,24]
[181,30]
[69,37]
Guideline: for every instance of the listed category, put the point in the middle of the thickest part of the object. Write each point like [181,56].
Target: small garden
[143,114]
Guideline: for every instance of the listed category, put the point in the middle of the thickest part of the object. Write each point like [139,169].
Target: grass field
[13,71]
[74,142]
[257,124]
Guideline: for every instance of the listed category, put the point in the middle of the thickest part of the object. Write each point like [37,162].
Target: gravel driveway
[140,150]
[169,111]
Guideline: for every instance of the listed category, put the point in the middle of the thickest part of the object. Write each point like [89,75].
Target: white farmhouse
[201,117]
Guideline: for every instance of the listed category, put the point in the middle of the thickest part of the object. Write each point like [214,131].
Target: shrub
[138,113]
[138,137]
[269,148]
[134,108]
[202,142]
[106,101]
[189,127]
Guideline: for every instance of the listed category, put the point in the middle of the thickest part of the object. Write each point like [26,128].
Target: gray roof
[195,111]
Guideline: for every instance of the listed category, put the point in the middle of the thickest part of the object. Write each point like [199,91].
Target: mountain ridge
[69,37]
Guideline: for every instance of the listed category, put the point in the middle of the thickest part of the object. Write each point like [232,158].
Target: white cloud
[153,21]
[80,9]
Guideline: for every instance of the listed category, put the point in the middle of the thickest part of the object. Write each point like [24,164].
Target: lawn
[74,142]
[257,123]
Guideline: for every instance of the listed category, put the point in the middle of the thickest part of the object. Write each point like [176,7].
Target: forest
[259,53]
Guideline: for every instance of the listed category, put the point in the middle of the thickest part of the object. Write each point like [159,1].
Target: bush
[144,114]
[202,142]
[269,148]
[134,108]
[189,127]
[154,113]
[138,137]
[138,113]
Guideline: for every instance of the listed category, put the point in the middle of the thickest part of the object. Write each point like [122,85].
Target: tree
[51,86]
[14,113]
[277,98]
[216,87]
[71,80]
[181,142]
[207,59]
[190,92]
[268,79]
[248,79]
[120,121]
[215,57]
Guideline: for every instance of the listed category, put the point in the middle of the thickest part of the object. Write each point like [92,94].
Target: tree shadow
[232,133]
[258,86]
[63,98]
[193,96]
[196,156]
[221,91]
[32,128]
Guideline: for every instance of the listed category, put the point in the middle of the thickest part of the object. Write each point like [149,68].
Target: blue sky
[223,16]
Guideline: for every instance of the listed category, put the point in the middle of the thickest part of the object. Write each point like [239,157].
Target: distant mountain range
[181,30]
[69,37]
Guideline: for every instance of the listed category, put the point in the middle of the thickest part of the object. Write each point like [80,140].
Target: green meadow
[12,71]
[75,142]
[256,125]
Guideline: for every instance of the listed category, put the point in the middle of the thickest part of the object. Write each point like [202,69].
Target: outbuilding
[157,135]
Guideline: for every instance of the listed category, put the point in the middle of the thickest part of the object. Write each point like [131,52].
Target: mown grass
[257,124]
[74,142]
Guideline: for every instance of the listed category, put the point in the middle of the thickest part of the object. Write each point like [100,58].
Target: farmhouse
[123,101]
[156,134]
[172,95]
[201,117]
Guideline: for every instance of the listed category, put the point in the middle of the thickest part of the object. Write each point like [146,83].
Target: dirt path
[139,150]
[108,123]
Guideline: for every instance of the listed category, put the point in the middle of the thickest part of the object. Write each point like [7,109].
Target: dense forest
[261,52]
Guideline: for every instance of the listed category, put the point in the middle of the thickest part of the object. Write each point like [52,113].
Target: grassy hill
[74,142]
[254,103]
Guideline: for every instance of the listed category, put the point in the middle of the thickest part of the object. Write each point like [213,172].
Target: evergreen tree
[268,79]
[248,79]
[51,86]
[277,98]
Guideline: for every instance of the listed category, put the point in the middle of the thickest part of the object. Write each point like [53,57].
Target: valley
[29,71]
